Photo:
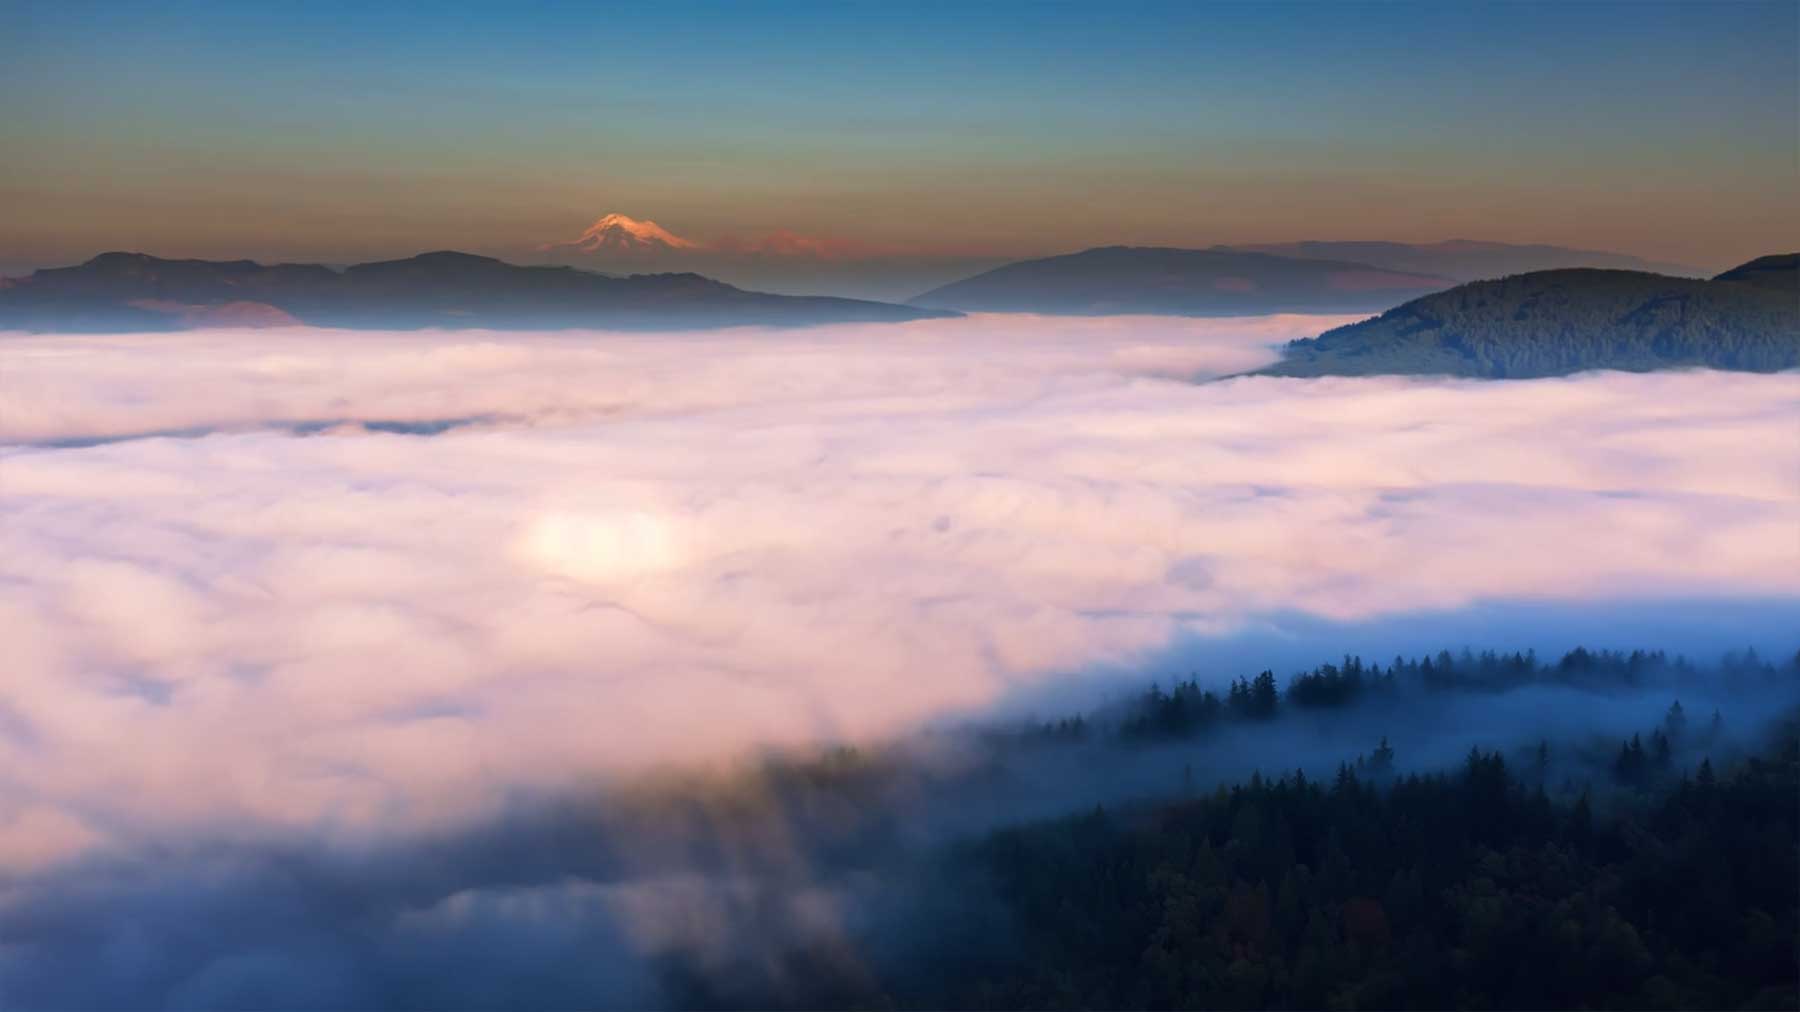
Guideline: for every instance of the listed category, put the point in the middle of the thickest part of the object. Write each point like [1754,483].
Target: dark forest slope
[1653,870]
[1780,272]
[1556,322]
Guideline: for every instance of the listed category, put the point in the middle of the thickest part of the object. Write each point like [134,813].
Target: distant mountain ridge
[1550,323]
[1188,282]
[134,291]
[1467,259]
[1780,272]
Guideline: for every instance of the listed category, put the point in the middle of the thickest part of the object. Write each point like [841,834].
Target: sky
[946,134]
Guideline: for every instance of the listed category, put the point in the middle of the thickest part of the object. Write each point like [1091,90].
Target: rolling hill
[1551,323]
[133,291]
[1780,273]
[1467,259]
[1185,282]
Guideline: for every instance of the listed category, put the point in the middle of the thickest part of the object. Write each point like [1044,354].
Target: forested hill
[1507,840]
[1780,272]
[1552,323]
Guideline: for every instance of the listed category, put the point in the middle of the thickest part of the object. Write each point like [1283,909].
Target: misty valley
[970,662]
[1635,870]
[1355,835]
[812,506]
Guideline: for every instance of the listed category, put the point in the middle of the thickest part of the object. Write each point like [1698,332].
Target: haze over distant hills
[789,261]
[133,291]
[781,260]
[1550,323]
[1188,282]
[1467,259]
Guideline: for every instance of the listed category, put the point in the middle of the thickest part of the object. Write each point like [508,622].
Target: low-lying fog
[342,590]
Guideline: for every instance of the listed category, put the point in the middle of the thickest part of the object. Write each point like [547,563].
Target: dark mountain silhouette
[1780,272]
[1188,282]
[132,291]
[1551,323]
[1467,259]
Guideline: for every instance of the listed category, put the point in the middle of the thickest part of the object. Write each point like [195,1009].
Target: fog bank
[347,587]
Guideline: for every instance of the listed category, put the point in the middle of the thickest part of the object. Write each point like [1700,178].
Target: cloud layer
[344,585]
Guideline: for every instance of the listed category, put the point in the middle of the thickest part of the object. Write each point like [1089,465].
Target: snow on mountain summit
[619,233]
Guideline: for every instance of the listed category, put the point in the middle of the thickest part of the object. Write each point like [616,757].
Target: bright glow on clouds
[241,590]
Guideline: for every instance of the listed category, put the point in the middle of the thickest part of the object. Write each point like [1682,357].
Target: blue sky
[332,129]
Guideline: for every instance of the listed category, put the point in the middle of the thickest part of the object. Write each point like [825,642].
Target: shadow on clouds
[701,886]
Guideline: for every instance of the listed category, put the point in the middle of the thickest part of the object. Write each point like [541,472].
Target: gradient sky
[339,132]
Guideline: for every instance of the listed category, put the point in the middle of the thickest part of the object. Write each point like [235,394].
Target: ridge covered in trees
[1780,272]
[1466,889]
[1563,870]
[1552,323]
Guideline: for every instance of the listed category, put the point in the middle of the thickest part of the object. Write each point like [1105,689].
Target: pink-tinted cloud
[633,550]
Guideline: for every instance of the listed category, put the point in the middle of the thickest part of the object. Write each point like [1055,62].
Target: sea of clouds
[335,660]
[349,586]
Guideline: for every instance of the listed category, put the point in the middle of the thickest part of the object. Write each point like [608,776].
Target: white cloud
[641,549]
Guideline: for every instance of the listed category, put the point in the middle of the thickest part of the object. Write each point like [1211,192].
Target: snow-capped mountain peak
[619,233]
